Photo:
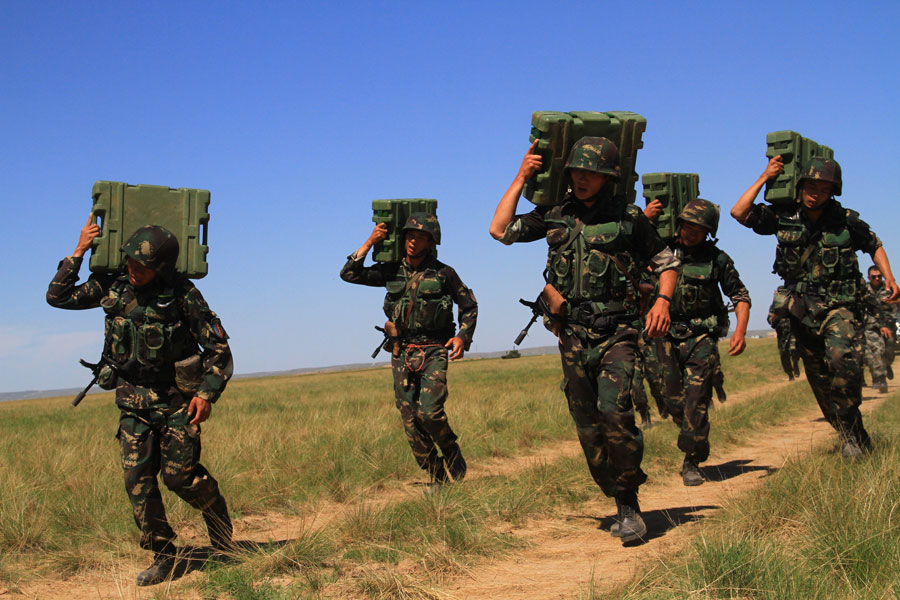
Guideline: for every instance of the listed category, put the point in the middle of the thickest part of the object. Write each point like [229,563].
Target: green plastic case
[795,150]
[394,213]
[122,208]
[674,190]
[558,131]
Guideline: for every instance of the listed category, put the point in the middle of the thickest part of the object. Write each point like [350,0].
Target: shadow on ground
[733,468]
[195,558]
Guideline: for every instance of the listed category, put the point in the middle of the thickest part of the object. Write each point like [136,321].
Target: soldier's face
[138,274]
[876,279]
[586,184]
[417,243]
[813,194]
[691,234]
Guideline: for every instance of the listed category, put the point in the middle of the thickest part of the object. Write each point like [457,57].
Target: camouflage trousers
[787,347]
[420,386]
[599,373]
[876,356]
[689,368]
[832,359]
[156,439]
[652,372]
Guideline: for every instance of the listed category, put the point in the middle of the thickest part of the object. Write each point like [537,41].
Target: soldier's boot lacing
[456,464]
[690,472]
[631,526]
[163,564]
[218,524]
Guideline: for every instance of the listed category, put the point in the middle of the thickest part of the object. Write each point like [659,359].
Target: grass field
[305,444]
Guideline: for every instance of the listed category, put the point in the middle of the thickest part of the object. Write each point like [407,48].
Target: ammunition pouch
[189,375]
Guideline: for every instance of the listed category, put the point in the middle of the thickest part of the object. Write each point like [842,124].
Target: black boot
[456,464]
[161,569]
[631,526]
[218,524]
[645,416]
[690,472]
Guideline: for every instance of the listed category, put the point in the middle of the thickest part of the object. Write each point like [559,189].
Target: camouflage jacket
[149,328]
[596,255]
[878,313]
[697,301]
[419,302]
[817,259]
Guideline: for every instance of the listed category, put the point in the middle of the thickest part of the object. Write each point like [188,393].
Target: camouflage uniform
[787,344]
[689,353]
[822,281]
[594,259]
[419,302]
[878,315]
[148,329]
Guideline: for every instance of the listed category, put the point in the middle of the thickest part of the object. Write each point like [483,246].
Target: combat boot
[881,384]
[438,471]
[218,524]
[690,473]
[851,449]
[162,567]
[629,525]
[645,416]
[456,464]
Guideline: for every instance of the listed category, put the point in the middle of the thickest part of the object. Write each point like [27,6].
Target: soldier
[421,291]
[158,329]
[689,353]
[598,247]
[880,325]
[787,344]
[816,257]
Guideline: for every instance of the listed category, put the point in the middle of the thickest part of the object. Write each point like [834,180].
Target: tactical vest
[145,340]
[418,305]
[822,264]
[580,264]
[697,299]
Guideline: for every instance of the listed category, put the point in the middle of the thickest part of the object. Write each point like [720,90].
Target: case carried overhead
[795,150]
[674,190]
[394,213]
[122,209]
[558,131]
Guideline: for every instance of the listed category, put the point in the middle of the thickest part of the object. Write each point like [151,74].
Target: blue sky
[297,115]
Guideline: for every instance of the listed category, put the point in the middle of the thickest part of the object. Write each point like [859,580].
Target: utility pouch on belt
[189,375]
[781,303]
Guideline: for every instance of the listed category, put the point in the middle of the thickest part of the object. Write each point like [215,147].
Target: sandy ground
[567,554]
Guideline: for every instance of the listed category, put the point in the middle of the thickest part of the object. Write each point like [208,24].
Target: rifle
[390,337]
[95,369]
[543,306]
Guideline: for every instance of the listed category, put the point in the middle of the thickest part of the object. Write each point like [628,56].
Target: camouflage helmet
[154,247]
[822,169]
[597,154]
[703,213]
[425,222]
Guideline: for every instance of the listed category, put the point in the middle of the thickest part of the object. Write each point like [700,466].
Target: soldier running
[156,318]
[816,257]
[598,246]
[880,327]
[689,352]
[421,291]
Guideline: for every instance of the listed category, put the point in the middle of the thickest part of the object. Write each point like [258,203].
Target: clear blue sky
[296,115]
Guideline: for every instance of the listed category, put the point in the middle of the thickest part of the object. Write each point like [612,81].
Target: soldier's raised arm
[506,209]
[62,291]
[744,205]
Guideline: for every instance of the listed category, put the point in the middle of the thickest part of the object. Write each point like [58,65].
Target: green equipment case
[558,131]
[674,190]
[795,150]
[394,213]
[122,209]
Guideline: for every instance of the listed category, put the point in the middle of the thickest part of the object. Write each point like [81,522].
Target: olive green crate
[121,209]
[674,190]
[394,212]
[795,150]
[557,132]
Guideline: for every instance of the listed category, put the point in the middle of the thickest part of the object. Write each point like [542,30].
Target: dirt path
[567,551]
[571,553]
